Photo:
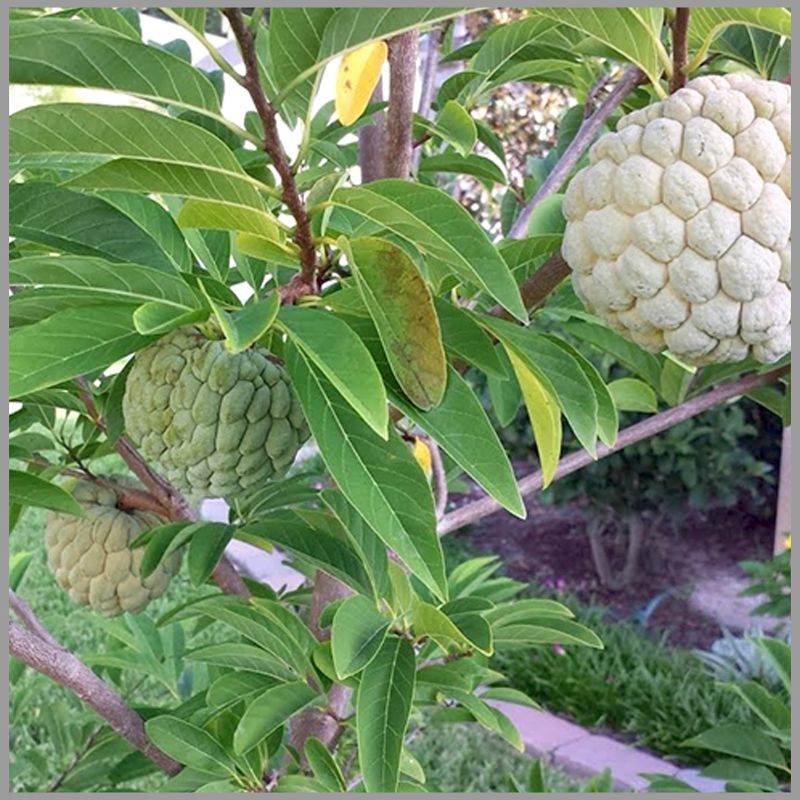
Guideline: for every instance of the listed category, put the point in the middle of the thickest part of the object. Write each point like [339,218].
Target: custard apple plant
[198,293]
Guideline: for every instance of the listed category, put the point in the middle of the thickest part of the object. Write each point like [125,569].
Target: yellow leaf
[787,542]
[544,414]
[423,455]
[359,73]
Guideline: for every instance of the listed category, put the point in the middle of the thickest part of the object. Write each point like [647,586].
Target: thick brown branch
[306,281]
[630,79]
[680,49]
[635,433]
[26,616]
[403,50]
[68,671]
[536,289]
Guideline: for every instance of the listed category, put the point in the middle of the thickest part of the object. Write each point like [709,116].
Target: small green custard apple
[214,422]
[679,230]
[91,556]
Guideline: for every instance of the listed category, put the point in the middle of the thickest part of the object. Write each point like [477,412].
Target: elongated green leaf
[490,718]
[508,695]
[632,33]
[775,713]
[441,229]
[70,343]
[120,21]
[460,426]
[780,654]
[344,360]
[400,304]
[188,744]
[156,542]
[357,634]
[76,223]
[558,371]
[231,687]
[138,150]
[204,551]
[631,394]
[366,543]
[323,765]
[269,710]
[238,655]
[61,52]
[480,167]
[245,326]
[733,769]
[545,630]
[218,216]
[456,126]
[31,490]
[316,538]
[154,318]
[544,415]
[381,479]
[740,741]
[431,621]
[383,705]
[118,283]
[507,613]
[465,339]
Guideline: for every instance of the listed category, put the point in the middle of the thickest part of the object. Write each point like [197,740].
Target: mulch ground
[551,548]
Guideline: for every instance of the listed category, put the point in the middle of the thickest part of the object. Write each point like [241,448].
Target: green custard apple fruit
[679,230]
[215,423]
[91,556]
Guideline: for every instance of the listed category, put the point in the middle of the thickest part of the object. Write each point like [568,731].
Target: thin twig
[471,512]
[27,617]
[680,49]
[439,476]
[305,282]
[630,79]
[68,671]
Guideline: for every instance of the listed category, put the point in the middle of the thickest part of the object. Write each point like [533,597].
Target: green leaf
[341,356]
[441,229]
[70,343]
[544,415]
[773,711]
[490,718]
[544,630]
[400,304]
[519,610]
[17,567]
[780,654]
[732,769]
[631,33]
[357,634]
[464,338]
[313,536]
[480,167]
[231,687]
[81,276]
[269,710]
[560,373]
[30,490]
[124,21]
[431,621]
[154,318]
[137,150]
[188,744]
[204,551]
[460,426]
[161,541]
[708,23]
[61,52]
[322,764]
[49,215]
[454,124]
[240,656]
[218,216]
[383,706]
[740,741]
[245,326]
[631,394]
[381,479]
[508,695]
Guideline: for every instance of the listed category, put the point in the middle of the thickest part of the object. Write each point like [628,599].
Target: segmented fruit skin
[91,556]
[679,230]
[214,423]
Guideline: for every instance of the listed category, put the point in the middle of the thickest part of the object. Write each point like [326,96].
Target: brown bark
[680,49]
[372,143]
[403,50]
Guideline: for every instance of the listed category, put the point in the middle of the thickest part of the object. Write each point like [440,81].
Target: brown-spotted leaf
[401,306]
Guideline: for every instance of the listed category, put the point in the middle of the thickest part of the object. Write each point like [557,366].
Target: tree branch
[176,506]
[26,616]
[372,143]
[630,79]
[635,433]
[68,671]
[680,49]
[403,50]
[306,281]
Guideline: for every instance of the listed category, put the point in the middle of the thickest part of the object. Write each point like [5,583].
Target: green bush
[636,686]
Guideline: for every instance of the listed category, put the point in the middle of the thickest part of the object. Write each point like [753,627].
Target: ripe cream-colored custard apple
[91,556]
[679,230]
[214,422]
